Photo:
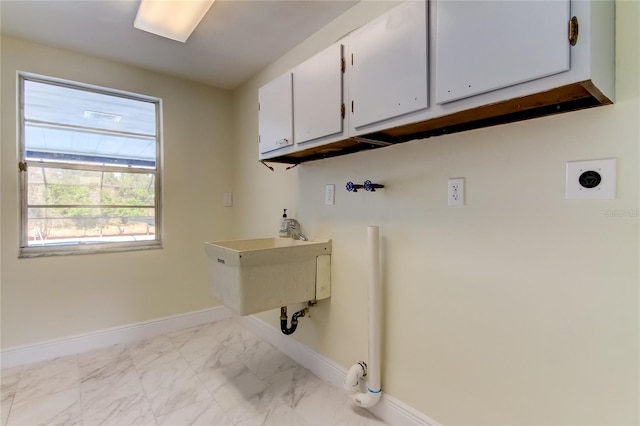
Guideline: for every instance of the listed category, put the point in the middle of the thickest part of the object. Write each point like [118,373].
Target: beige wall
[53,297]
[519,308]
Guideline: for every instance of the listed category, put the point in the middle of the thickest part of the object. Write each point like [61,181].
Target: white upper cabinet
[427,68]
[318,96]
[388,65]
[484,45]
[275,119]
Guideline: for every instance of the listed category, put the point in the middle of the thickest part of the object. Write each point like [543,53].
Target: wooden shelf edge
[562,99]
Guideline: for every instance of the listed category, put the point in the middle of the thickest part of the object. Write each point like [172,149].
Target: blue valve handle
[370,186]
[352,187]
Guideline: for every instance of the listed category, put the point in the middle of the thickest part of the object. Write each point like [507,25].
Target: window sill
[74,249]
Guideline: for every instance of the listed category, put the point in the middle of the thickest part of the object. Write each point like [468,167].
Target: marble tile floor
[214,374]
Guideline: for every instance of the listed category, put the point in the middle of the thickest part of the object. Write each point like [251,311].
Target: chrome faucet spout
[293,229]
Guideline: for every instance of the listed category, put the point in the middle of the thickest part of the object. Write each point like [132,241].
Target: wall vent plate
[591,180]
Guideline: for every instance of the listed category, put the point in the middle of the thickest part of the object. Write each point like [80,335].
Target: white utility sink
[257,275]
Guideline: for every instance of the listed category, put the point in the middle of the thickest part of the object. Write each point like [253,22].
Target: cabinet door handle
[573,31]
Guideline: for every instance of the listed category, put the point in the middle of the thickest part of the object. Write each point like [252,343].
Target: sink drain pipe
[360,369]
[294,320]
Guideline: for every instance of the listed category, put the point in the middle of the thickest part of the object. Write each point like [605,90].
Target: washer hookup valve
[371,187]
[352,187]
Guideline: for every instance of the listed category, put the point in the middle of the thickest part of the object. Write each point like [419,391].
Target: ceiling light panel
[173,19]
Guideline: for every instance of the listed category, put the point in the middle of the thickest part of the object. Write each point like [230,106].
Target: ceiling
[235,40]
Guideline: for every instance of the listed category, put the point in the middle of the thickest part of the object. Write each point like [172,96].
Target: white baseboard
[43,351]
[389,409]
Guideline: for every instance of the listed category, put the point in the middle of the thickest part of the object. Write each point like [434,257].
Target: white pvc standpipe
[357,371]
[375,341]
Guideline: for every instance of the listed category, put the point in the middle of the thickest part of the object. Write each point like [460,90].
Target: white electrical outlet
[455,192]
[329,195]
[227,199]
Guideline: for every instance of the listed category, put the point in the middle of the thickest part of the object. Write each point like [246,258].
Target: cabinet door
[275,118]
[317,96]
[486,45]
[389,65]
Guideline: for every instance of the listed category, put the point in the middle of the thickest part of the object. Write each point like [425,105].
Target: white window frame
[26,250]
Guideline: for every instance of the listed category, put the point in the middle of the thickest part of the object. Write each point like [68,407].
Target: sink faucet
[293,230]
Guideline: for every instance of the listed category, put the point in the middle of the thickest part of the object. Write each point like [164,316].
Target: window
[90,168]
